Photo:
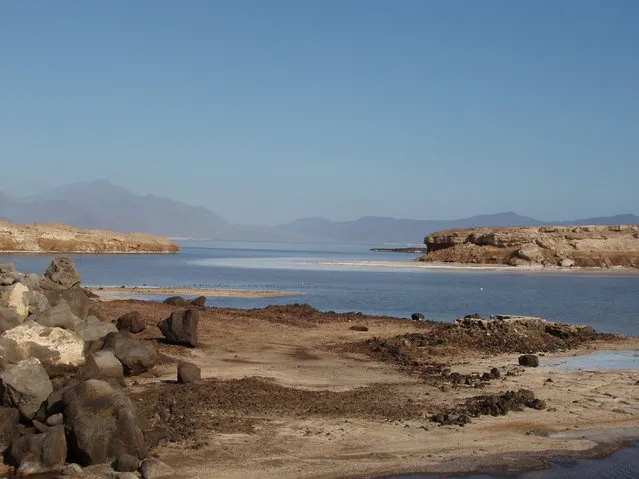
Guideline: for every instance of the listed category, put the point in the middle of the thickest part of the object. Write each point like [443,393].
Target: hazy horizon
[266,112]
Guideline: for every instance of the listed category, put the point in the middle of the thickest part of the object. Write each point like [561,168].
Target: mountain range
[100,204]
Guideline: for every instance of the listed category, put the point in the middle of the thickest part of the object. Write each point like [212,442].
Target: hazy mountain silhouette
[100,204]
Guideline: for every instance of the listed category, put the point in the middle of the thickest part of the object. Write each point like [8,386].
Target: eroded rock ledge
[567,246]
[59,238]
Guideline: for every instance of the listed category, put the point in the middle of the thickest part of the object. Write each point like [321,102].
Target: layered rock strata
[58,238]
[566,246]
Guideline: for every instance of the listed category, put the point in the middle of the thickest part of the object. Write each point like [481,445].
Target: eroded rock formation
[566,246]
[57,238]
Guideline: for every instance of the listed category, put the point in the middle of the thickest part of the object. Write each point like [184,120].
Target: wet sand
[290,392]
[216,293]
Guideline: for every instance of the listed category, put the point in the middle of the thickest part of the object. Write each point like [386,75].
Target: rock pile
[63,401]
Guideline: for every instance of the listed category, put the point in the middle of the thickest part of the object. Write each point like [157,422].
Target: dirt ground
[291,392]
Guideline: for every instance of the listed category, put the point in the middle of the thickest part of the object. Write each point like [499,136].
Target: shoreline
[169,291]
[522,462]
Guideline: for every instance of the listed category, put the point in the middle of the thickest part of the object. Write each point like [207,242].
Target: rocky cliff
[585,246]
[56,238]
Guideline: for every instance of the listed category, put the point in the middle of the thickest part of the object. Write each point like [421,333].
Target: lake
[607,302]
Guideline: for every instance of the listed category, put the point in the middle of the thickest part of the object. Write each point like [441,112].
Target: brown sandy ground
[290,392]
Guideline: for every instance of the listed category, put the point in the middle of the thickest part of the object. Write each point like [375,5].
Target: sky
[267,111]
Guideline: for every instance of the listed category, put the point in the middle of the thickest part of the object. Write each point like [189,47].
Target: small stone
[188,373]
[153,468]
[530,360]
[72,469]
[55,420]
[126,463]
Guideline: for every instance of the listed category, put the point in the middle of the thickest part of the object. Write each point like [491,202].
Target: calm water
[606,302]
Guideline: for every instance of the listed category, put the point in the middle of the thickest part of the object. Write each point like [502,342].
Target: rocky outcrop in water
[59,238]
[565,246]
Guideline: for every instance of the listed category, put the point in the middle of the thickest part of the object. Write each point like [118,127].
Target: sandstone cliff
[585,246]
[58,238]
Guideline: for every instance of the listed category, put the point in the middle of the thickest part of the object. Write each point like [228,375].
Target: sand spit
[208,292]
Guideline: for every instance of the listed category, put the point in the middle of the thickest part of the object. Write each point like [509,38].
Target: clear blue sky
[265,111]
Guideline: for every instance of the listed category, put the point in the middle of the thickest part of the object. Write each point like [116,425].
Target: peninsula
[59,238]
[563,246]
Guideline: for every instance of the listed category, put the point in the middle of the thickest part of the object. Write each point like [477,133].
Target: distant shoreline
[615,270]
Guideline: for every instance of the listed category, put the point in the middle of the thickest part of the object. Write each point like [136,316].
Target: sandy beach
[291,392]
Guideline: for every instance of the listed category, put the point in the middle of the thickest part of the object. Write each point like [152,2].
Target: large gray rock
[13,297]
[6,268]
[62,273]
[94,329]
[102,424]
[52,346]
[9,318]
[76,298]
[103,365]
[36,302]
[39,453]
[25,386]
[181,327]
[9,418]
[58,316]
[135,355]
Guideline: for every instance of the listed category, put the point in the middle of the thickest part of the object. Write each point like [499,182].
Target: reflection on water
[622,465]
[598,360]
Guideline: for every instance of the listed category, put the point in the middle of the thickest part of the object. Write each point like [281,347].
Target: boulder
[9,418]
[103,365]
[135,355]
[417,317]
[530,360]
[531,252]
[39,453]
[94,329]
[62,273]
[126,463]
[52,346]
[131,322]
[188,373]
[58,316]
[181,327]
[6,268]
[567,263]
[102,423]
[76,297]
[153,468]
[177,301]
[13,297]
[25,386]
[9,318]
[199,302]
[36,302]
